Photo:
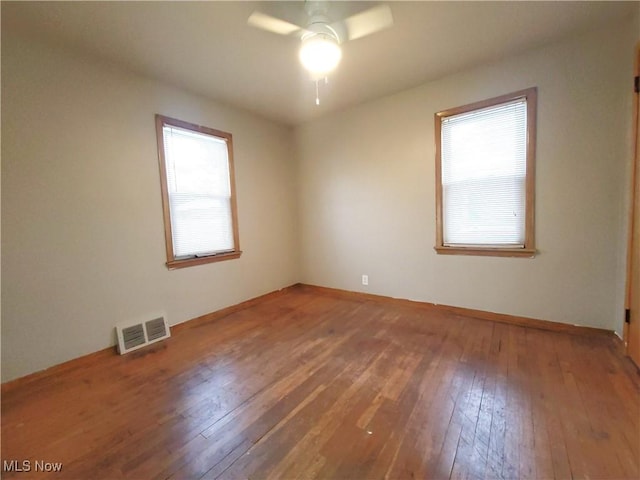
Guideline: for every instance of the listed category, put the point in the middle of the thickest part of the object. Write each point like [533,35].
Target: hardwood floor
[311,385]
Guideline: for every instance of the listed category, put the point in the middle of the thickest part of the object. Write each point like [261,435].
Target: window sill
[487,251]
[192,262]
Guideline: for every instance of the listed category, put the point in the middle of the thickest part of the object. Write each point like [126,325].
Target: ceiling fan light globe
[320,54]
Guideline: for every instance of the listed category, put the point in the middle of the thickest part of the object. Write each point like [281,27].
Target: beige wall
[83,240]
[367,183]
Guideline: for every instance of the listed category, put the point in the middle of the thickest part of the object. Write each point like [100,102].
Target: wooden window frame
[173,262]
[529,250]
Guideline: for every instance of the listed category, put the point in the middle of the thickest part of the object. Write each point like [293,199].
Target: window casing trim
[529,250]
[172,261]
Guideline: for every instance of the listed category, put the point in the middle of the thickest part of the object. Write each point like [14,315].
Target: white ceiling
[208,48]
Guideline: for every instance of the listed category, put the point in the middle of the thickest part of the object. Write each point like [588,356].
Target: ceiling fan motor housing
[318,21]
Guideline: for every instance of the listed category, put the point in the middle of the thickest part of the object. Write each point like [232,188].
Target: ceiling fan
[320,50]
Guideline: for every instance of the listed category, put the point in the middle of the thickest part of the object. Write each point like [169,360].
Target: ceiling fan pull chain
[317,94]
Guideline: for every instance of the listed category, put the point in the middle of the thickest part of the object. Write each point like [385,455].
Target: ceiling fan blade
[365,23]
[272,24]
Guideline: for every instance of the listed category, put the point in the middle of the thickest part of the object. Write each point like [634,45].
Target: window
[198,193]
[485,154]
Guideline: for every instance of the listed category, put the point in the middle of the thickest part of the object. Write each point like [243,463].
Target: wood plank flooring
[311,385]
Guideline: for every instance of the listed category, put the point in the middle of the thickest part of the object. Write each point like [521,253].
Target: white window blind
[484,164]
[199,191]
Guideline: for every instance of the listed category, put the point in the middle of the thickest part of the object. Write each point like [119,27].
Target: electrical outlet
[365,279]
